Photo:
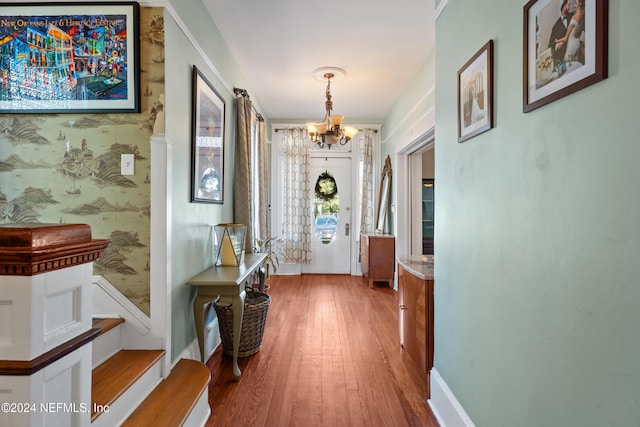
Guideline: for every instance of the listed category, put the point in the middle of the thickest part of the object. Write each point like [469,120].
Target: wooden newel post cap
[29,249]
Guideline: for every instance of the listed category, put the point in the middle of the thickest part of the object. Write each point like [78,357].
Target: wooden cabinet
[415,297]
[378,257]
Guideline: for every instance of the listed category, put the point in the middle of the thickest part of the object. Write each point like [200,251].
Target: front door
[331,226]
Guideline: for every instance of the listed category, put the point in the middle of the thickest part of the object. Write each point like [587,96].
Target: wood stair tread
[173,399]
[106,324]
[113,377]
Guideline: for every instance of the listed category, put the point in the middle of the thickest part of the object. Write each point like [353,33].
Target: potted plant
[270,246]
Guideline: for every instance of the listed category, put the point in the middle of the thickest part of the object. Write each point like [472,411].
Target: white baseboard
[289,269]
[444,404]
[193,349]
[192,352]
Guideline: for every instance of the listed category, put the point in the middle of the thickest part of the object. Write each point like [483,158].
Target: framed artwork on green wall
[475,94]
[69,58]
[207,160]
[565,48]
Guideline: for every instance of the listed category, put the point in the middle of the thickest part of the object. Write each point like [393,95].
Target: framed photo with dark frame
[565,48]
[207,160]
[475,94]
[69,58]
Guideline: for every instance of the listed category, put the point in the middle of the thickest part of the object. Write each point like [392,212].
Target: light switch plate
[126,164]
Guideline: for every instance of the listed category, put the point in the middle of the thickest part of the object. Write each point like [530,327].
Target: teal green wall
[191,222]
[538,237]
[417,98]
[405,120]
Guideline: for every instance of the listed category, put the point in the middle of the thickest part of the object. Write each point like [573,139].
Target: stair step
[106,324]
[174,398]
[113,377]
[109,339]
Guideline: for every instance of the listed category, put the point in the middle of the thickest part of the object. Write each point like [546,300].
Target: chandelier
[330,131]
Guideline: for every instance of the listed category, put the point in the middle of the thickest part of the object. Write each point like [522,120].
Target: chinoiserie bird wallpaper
[65,168]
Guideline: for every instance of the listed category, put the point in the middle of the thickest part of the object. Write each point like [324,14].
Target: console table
[229,283]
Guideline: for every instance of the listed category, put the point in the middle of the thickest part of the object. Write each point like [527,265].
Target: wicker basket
[256,306]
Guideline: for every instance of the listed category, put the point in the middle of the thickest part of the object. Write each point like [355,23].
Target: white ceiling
[279,43]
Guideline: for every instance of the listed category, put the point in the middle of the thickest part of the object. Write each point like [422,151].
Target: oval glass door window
[326,206]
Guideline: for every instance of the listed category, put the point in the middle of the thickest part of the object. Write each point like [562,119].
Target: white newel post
[45,324]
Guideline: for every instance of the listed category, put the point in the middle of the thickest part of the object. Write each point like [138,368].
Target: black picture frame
[69,58]
[554,68]
[207,160]
[475,94]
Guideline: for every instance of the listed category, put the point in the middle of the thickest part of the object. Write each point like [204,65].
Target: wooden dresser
[378,257]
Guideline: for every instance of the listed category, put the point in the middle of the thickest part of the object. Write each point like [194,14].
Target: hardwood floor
[330,356]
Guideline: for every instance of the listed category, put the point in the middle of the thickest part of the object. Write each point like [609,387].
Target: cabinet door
[413,317]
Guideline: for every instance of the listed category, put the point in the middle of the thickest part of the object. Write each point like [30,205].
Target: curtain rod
[241,92]
[359,130]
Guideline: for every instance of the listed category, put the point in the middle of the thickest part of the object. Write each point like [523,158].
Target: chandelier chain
[329,103]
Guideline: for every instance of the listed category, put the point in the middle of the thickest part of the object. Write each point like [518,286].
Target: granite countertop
[418,265]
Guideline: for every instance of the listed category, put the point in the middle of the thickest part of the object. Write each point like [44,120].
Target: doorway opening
[415,164]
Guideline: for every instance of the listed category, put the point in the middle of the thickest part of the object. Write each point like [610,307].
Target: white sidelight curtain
[297,197]
[366,190]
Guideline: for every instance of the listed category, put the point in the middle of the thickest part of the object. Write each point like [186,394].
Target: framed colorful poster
[207,162]
[475,94]
[565,48]
[69,58]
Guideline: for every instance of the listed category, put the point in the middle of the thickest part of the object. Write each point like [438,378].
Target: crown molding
[185,30]
[439,10]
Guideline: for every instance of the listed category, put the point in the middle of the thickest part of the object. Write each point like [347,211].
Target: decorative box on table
[229,244]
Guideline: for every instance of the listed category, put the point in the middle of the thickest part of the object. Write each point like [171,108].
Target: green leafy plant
[270,246]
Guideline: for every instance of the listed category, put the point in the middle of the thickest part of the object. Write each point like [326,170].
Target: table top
[381,236]
[229,276]
[418,265]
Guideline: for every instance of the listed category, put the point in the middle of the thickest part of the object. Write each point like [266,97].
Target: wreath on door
[326,187]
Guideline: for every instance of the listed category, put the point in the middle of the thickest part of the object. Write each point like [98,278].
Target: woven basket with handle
[256,306]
